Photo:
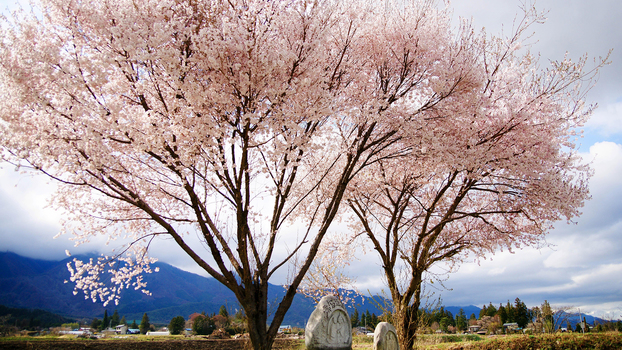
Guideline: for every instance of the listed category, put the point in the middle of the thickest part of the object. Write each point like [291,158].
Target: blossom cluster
[240,122]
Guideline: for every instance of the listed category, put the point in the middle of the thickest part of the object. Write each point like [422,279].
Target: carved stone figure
[385,337]
[329,326]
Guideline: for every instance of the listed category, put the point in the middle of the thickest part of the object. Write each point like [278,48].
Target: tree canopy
[491,167]
[177,324]
[144,324]
[247,123]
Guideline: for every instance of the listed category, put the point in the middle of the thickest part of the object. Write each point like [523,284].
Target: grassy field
[423,342]
[561,341]
[566,341]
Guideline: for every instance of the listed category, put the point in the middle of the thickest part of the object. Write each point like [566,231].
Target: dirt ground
[227,344]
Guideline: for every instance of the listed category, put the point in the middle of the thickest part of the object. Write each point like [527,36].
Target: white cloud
[584,264]
[607,162]
[28,227]
[599,274]
[29,193]
[497,271]
[607,119]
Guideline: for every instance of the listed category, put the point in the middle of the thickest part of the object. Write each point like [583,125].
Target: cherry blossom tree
[236,121]
[492,171]
[329,273]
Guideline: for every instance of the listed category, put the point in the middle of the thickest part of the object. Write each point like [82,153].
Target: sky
[582,264]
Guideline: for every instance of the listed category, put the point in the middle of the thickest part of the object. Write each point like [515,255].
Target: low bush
[451,338]
[471,337]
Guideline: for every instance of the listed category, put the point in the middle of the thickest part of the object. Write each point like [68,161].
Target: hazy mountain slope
[39,284]
[30,319]
[31,283]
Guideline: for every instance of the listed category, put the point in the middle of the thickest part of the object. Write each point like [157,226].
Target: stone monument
[329,326]
[385,337]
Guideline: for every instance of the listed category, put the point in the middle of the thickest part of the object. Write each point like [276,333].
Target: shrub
[472,337]
[71,326]
[203,325]
[450,339]
[176,326]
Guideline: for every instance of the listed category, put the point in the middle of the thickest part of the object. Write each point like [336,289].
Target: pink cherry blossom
[242,121]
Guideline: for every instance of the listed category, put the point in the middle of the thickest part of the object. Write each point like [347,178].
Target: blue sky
[581,267]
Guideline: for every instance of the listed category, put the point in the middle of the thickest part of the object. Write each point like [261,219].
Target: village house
[121,329]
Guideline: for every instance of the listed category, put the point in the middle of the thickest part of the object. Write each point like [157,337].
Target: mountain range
[40,284]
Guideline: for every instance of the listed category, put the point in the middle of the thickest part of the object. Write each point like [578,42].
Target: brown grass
[565,341]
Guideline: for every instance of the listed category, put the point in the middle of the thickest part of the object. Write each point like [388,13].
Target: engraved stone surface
[385,337]
[329,326]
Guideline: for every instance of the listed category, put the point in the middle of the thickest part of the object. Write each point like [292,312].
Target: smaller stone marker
[329,326]
[385,337]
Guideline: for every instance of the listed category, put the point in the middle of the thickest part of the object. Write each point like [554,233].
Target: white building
[159,333]
[121,329]
[283,329]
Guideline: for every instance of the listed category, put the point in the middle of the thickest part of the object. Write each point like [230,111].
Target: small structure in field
[121,329]
[159,333]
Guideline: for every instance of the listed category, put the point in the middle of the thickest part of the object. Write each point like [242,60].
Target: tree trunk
[406,318]
[257,330]
[254,301]
[256,308]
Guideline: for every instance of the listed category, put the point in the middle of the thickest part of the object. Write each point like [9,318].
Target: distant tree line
[365,319]
[509,313]
[111,322]
[12,319]
[543,318]
[607,326]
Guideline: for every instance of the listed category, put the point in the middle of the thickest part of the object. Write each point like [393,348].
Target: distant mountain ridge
[39,284]
[468,310]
